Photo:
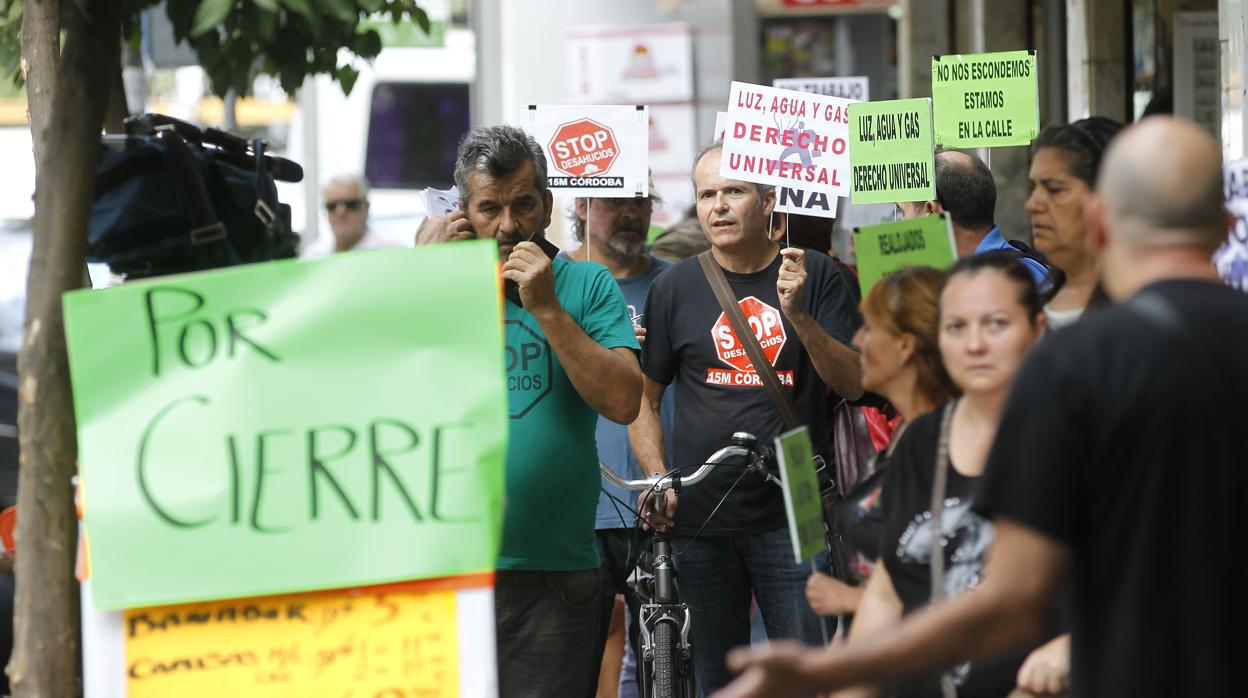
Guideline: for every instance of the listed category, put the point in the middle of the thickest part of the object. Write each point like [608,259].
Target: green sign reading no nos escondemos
[985,100]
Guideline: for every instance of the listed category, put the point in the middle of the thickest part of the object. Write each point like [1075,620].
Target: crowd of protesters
[1061,423]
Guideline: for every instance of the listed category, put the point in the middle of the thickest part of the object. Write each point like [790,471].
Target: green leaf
[371,6]
[303,9]
[347,77]
[422,20]
[209,14]
[344,10]
[269,6]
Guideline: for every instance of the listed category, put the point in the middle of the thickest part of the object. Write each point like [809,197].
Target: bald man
[1119,462]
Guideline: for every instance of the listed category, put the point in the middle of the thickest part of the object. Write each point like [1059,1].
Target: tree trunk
[68,91]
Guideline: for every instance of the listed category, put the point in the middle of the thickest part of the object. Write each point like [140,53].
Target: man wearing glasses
[346,207]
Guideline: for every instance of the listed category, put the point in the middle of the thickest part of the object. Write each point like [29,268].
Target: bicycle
[664,621]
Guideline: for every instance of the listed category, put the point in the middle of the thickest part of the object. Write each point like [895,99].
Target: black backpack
[171,197]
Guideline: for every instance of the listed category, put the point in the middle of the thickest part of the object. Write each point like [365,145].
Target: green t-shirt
[552,460]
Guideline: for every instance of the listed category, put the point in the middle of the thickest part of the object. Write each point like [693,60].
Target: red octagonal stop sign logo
[768,327]
[583,148]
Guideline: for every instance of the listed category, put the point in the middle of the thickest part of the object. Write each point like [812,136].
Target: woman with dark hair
[990,316]
[901,362]
[1064,165]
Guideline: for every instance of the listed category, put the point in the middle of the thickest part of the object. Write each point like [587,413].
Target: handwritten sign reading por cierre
[270,428]
[384,641]
[985,100]
[787,139]
[885,248]
[892,151]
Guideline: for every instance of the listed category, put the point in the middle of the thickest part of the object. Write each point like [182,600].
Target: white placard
[856,88]
[788,199]
[787,139]
[640,63]
[599,151]
[1231,259]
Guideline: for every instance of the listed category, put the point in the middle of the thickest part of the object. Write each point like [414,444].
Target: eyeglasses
[350,204]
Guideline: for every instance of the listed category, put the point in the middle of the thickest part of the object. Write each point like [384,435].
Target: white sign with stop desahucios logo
[600,151]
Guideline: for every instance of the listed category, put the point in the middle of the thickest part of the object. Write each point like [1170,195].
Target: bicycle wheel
[665,677]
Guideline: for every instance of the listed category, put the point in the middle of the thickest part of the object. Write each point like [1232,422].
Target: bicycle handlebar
[744,445]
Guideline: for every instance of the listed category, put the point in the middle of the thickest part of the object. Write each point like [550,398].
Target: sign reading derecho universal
[985,100]
[788,199]
[600,151]
[892,151]
[787,139]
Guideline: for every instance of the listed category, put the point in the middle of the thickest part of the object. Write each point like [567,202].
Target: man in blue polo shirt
[965,190]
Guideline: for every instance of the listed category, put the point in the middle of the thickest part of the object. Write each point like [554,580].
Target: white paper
[441,203]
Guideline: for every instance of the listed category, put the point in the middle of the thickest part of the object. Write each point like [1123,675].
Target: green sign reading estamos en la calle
[985,100]
[885,248]
[891,151]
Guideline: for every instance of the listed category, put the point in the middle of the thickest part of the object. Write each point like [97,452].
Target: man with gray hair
[570,356]
[1104,470]
[730,535]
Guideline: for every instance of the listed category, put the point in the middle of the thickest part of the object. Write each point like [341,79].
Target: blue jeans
[717,578]
[546,623]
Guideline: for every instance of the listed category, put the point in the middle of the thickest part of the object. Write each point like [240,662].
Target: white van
[400,127]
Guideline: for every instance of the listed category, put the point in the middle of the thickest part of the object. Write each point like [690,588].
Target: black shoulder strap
[728,302]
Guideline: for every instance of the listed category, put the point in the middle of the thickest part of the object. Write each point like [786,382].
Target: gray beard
[625,247]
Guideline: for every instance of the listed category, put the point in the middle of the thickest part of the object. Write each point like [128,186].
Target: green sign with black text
[291,426]
[891,151]
[885,248]
[800,483]
[985,100]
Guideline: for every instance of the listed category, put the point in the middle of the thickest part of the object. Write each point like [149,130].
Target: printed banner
[787,139]
[985,100]
[1231,259]
[856,88]
[788,199]
[600,151]
[891,148]
[885,248]
[268,429]
[800,484]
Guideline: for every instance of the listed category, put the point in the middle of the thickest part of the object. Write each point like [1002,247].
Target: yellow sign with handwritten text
[396,641]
